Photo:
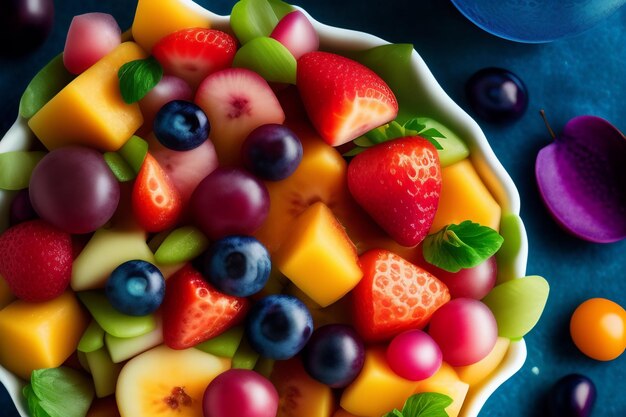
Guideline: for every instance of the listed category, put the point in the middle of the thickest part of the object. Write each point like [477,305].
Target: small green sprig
[424,404]
[58,392]
[138,77]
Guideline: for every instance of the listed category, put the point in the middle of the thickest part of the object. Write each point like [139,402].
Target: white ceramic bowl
[433,102]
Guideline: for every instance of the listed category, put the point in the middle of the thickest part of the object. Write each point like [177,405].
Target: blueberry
[573,395]
[237,265]
[272,152]
[334,355]
[135,288]
[181,125]
[278,326]
[497,95]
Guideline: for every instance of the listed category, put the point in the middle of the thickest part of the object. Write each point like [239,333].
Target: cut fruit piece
[296,32]
[446,381]
[92,339]
[103,371]
[377,389]
[477,372]
[90,269]
[300,395]
[181,245]
[253,18]
[337,312]
[124,348]
[90,110]
[319,257]
[171,15]
[236,101]
[343,98]
[30,333]
[167,383]
[245,357]
[268,58]
[225,345]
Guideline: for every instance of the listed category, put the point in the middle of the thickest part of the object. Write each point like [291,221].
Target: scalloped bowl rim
[487,164]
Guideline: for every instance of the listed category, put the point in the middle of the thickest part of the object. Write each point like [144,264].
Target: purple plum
[582,179]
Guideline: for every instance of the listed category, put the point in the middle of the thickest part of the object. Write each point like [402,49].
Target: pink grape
[90,37]
[465,330]
[229,201]
[240,393]
[170,88]
[414,355]
[296,33]
[469,282]
[74,189]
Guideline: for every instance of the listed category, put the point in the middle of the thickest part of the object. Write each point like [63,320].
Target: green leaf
[138,77]
[354,151]
[16,168]
[60,392]
[414,124]
[465,245]
[364,142]
[33,402]
[377,135]
[394,413]
[433,133]
[426,404]
[120,168]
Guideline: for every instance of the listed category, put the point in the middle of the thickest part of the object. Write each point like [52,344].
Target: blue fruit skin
[135,288]
[237,265]
[497,95]
[181,125]
[334,355]
[572,396]
[272,152]
[278,326]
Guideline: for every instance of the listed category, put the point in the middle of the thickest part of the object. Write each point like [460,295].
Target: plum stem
[545,120]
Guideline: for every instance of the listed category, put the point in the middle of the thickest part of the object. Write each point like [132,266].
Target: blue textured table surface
[567,78]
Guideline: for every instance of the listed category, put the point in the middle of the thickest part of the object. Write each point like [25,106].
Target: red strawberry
[343,98]
[194,311]
[192,54]
[398,183]
[394,296]
[156,202]
[36,260]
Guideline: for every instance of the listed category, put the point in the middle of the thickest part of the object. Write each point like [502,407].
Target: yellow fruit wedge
[163,382]
[446,381]
[477,372]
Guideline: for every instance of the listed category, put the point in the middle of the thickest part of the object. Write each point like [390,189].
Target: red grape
[74,189]
[24,25]
[469,282]
[240,393]
[465,330]
[414,355]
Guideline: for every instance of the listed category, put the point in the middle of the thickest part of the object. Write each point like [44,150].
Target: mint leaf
[59,392]
[465,245]
[426,404]
[394,413]
[138,77]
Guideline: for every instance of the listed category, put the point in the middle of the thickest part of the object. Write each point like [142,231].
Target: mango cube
[40,335]
[377,389]
[90,110]
[156,19]
[477,372]
[446,381]
[464,196]
[319,257]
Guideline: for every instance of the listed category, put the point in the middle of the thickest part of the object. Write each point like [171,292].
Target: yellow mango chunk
[446,381]
[319,257]
[477,372]
[377,390]
[6,296]
[156,19]
[465,197]
[90,111]
[40,335]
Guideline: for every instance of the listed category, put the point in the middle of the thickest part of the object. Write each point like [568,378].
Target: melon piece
[460,182]
[6,296]
[90,110]
[156,19]
[377,389]
[446,381]
[477,372]
[30,333]
[91,270]
[300,395]
[319,257]
[124,348]
[103,371]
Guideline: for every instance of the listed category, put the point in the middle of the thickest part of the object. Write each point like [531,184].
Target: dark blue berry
[135,288]
[497,95]
[237,265]
[272,152]
[572,396]
[278,326]
[181,125]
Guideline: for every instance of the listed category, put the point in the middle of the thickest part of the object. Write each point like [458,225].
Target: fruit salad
[253,216]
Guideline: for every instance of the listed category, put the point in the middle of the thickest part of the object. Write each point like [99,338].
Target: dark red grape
[21,208]
[24,25]
[272,152]
[497,95]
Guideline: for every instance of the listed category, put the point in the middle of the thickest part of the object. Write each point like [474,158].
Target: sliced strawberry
[398,183]
[156,201]
[394,296]
[343,98]
[194,311]
[192,54]
[36,260]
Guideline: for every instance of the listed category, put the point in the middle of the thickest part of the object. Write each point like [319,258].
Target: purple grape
[21,208]
[334,355]
[572,396]
[74,189]
[229,201]
[272,152]
[497,95]
[24,25]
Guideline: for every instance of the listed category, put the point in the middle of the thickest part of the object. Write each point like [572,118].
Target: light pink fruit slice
[236,101]
[297,34]
[90,37]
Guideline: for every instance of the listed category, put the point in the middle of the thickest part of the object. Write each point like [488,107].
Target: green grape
[225,345]
[93,338]
[181,245]
[269,58]
[253,18]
